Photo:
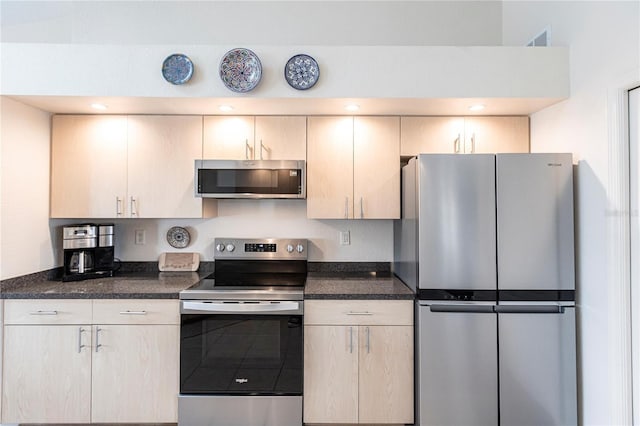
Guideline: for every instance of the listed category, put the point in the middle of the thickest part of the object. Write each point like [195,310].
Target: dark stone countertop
[356,286]
[131,285]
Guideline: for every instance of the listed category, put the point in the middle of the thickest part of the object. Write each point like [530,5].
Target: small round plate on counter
[240,70]
[301,72]
[178,237]
[177,68]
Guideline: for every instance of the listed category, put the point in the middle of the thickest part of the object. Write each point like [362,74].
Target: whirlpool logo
[242,381]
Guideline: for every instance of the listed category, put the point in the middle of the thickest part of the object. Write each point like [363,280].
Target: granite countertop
[356,286]
[132,285]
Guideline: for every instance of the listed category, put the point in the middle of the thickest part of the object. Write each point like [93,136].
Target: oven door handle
[225,307]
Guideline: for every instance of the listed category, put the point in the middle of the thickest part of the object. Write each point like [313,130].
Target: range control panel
[269,248]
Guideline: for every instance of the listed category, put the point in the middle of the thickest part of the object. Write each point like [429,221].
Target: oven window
[241,354]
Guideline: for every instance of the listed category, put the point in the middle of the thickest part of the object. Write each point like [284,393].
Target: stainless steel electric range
[241,344]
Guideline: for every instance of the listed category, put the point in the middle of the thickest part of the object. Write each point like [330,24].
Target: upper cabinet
[125,166]
[353,167]
[464,135]
[254,138]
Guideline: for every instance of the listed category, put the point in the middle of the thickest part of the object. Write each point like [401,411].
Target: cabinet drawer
[358,312]
[50,311]
[136,311]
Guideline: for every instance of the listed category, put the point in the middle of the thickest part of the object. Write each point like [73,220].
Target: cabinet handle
[247,149]
[361,209]
[473,143]
[368,341]
[133,313]
[359,313]
[44,313]
[134,206]
[118,206]
[262,147]
[346,207]
[350,340]
[456,144]
[98,345]
[80,345]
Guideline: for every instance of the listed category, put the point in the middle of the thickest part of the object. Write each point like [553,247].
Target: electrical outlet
[140,238]
[345,238]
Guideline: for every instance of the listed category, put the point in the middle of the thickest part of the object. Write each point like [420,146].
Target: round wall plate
[301,72]
[177,68]
[178,237]
[240,70]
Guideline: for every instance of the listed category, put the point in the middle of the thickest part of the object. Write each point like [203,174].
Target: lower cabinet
[99,361]
[358,359]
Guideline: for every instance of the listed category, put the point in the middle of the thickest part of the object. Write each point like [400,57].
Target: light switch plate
[345,238]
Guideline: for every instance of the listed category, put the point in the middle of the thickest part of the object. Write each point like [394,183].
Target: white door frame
[634,238]
[620,359]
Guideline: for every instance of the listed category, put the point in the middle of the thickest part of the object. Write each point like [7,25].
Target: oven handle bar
[227,307]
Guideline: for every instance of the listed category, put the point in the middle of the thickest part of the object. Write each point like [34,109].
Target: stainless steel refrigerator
[487,243]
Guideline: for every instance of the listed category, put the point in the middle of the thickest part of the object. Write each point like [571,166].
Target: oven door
[241,347]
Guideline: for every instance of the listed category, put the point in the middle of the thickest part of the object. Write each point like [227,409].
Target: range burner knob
[300,248]
[289,248]
[220,247]
[230,247]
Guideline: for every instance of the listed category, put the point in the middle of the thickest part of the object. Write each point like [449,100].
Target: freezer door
[534,195]
[457,221]
[457,381]
[537,366]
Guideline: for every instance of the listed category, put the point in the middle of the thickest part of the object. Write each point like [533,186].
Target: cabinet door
[162,150]
[330,167]
[281,138]
[47,374]
[496,134]
[228,138]
[431,135]
[330,374]
[386,374]
[376,174]
[135,374]
[88,166]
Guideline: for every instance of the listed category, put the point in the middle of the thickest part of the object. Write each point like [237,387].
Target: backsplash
[370,240]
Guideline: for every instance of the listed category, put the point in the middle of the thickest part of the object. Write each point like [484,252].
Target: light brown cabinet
[125,166]
[254,138]
[368,348]
[100,361]
[353,167]
[477,134]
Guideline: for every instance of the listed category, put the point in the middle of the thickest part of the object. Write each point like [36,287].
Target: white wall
[239,23]
[603,38]
[371,240]
[25,240]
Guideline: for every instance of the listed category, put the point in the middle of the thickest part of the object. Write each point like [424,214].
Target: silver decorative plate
[177,68]
[178,237]
[301,72]
[240,70]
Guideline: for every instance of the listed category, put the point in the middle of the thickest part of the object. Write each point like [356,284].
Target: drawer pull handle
[80,345]
[44,313]
[98,344]
[359,313]
[133,313]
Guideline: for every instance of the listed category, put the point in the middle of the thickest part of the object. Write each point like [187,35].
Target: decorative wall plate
[301,72]
[177,68]
[178,237]
[240,70]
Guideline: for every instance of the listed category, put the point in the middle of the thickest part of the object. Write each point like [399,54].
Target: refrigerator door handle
[481,309]
[530,309]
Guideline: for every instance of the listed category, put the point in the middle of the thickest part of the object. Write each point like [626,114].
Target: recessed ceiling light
[478,107]
[100,107]
[225,108]
[352,107]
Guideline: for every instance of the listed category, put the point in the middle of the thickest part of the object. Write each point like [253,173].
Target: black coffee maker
[88,251]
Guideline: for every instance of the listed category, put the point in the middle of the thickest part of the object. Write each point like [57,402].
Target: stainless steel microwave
[250,178]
